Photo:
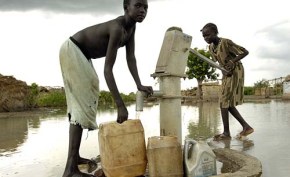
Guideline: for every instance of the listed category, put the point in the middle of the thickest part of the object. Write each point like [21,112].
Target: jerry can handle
[187,143]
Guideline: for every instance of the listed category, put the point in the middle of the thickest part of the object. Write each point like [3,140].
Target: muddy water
[35,143]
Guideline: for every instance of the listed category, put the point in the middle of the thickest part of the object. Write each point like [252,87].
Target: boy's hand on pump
[147,89]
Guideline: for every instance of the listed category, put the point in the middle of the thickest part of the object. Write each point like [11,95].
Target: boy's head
[209,33]
[136,9]
[212,27]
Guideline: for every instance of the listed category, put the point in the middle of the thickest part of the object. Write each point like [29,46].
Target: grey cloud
[63,6]
[66,6]
[279,42]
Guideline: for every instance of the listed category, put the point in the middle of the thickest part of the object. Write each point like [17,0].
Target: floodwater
[35,143]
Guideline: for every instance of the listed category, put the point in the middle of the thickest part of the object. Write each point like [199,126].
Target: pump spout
[140,98]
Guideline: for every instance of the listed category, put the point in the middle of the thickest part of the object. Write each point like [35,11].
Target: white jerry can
[199,159]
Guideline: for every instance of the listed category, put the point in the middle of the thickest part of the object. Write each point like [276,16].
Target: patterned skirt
[232,89]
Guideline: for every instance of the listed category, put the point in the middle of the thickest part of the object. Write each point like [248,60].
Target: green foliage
[199,69]
[56,98]
[53,98]
[249,91]
[33,94]
[106,98]
[262,83]
[129,98]
[34,89]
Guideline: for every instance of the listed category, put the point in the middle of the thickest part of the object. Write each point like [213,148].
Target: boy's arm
[238,50]
[132,65]
[113,45]
[131,59]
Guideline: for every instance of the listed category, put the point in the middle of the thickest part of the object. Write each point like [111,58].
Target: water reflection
[36,142]
[14,134]
[206,124]
[15,126]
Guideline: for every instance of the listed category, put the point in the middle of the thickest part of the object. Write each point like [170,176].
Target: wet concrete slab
[237,164]
[232,161]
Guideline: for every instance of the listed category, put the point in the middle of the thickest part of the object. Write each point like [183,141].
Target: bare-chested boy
[80,78]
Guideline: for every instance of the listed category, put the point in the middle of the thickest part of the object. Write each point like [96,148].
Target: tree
[32,97]
[200,70]
[262,83]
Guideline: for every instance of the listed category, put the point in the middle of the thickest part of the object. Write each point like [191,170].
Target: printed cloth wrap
[232,88]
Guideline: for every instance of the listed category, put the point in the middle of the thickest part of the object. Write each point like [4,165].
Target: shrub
[249,91]
[52,99]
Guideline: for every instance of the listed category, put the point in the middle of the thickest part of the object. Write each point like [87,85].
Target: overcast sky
[32,31]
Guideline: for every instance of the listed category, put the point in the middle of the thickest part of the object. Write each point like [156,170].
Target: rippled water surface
[35,143]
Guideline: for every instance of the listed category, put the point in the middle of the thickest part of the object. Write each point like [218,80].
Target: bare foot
[92,164]
[79,174]
[247,131]
[222,137]
[100,173]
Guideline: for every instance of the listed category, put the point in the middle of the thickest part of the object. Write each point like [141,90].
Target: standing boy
[81,81]
[228,54]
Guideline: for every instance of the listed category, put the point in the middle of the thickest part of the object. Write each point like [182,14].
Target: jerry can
[122,148]
[164,155]
[199,159]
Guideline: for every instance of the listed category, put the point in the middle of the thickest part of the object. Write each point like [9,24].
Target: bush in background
[43,97]
[249,91]
[53,98]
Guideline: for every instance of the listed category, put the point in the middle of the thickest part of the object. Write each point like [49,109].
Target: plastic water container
[122,148]
[199,159]
[164,155]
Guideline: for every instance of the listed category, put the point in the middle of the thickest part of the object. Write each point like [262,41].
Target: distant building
[264,91]
[210,90]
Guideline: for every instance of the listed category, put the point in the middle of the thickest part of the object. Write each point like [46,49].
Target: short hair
[125,3]
[211,26]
